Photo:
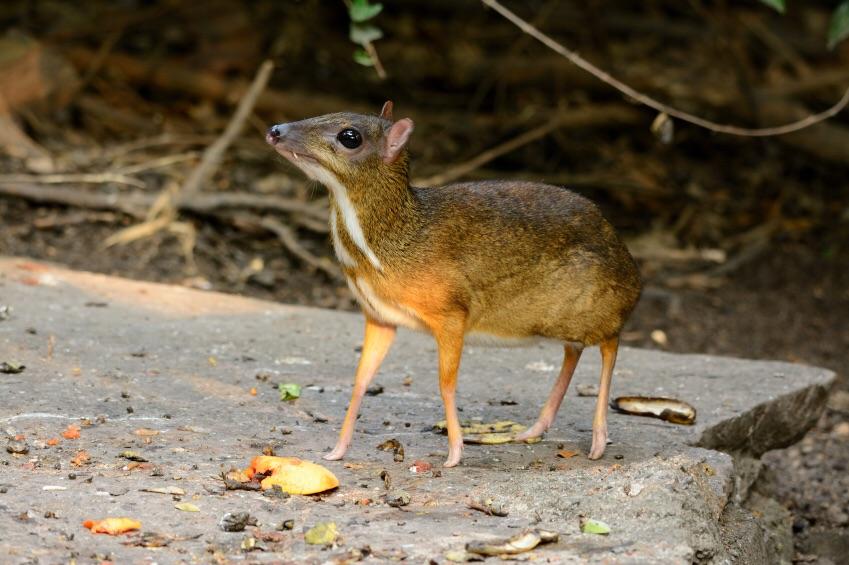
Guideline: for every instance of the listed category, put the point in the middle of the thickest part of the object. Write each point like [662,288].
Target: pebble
[841,430]
[398,498]
[236,521]
[17,446]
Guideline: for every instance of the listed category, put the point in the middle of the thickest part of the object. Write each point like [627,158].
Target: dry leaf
[566,453]
[174,491]
[323,533]
[590,526]
[187,507]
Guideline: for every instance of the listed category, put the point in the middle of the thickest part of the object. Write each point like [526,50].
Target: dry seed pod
[669,409]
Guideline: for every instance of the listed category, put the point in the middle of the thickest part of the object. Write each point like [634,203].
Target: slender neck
[375,218]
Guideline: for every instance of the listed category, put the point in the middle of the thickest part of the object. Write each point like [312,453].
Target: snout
[275,133]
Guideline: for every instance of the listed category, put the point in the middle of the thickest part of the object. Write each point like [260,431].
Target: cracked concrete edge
[754,528]
[773,424]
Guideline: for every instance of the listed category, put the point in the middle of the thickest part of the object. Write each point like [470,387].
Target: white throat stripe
[341,251]
[349,214]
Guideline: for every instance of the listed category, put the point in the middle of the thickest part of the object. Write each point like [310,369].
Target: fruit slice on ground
[293,475]
[112,526]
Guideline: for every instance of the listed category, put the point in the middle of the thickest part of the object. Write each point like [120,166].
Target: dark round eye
[350,138]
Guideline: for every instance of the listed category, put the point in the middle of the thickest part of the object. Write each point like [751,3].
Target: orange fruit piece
[293,475]
[71,432]
[80,459]
[53,441]
[112,526]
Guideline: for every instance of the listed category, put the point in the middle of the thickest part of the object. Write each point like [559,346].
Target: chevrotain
[498,261]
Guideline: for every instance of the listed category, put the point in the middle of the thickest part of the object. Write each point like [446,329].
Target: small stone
[286,525]
[419,467]
[17,446]
[839,401]
[633,489]
[841,430]
[837,515]
[398,498]
[587,389]
[236,521]
[374,390]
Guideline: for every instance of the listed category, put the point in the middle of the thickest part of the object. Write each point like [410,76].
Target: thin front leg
[449,340]
[376,344]
[608,360]
[555,398]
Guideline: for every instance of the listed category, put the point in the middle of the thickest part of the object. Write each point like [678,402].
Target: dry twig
[212,156]
[593,115]
[164,211]
[136,203]
[85,178]
[287,237]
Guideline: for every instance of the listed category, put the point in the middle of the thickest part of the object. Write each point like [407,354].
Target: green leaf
[838,28]
[364,33]
[323,533]
[289,391]
[778,5]
[361,10]
[362,57]
[590,526]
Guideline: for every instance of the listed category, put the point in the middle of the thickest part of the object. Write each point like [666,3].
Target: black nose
[274,134]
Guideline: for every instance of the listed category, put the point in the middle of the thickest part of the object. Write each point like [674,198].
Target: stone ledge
[193,356]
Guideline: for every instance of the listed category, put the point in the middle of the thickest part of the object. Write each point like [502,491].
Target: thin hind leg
[608,348]
[558,391]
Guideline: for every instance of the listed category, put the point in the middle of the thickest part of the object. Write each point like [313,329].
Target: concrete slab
[121,355]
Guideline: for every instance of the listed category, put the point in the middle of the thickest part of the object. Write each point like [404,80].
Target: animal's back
[530,259]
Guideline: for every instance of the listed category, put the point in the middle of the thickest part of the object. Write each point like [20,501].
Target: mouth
[294,157]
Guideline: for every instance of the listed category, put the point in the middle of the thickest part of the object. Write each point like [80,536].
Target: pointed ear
[386,111]
[396,139]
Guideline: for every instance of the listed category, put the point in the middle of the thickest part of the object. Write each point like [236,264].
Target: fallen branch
[287,237]
[86,178]
[212,156]
[136,204]
[163,213]
[605,77]
[254,223]
[579,117]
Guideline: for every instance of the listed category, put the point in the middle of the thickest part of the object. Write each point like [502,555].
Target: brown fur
[519,259]
[507,259]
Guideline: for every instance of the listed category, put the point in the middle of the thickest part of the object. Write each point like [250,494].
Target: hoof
[595,454]
[535,431]
[599,444]
[335,455]
[454,456]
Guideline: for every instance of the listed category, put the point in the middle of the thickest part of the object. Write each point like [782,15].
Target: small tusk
[295,155]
